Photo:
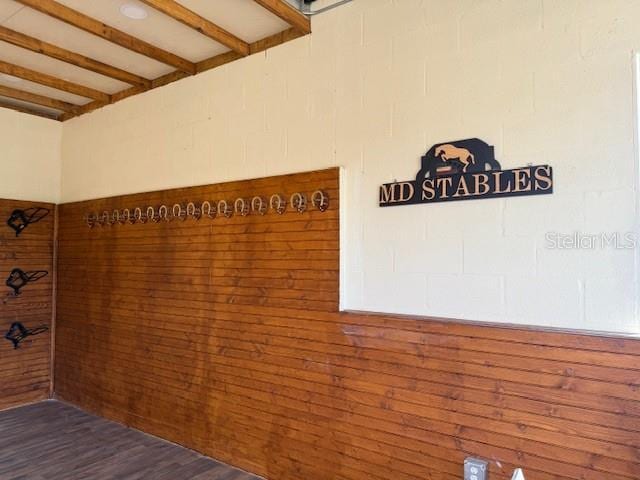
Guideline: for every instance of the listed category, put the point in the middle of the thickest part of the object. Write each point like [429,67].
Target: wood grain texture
[52,440]
[26,370]
[224,336]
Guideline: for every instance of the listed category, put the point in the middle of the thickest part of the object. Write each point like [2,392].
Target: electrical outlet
[475,469]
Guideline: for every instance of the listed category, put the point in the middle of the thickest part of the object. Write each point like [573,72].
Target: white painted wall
[379,82]
[30,160]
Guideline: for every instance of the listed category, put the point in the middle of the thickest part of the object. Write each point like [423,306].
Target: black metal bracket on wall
[305,7]
[21,219]
[18,333]
[18,279]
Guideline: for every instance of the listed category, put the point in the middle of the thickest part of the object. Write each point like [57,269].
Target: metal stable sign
[465,170]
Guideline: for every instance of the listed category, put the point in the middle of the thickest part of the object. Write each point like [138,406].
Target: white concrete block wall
[379,82]
[30,159]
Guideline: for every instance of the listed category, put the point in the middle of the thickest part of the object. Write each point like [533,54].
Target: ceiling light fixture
[133,11]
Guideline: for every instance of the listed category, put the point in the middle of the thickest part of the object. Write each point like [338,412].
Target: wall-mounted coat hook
[225,209]
[138,216]
[178,212]
[258,205]
[298,202]
[242,206]
[163,213]
[320,200]
[115,217]
[278,203]
[193,211]
[208,210]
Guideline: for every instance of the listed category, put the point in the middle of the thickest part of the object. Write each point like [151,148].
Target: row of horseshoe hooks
[241,206]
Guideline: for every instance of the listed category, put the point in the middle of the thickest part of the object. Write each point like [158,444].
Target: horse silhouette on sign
[471,155]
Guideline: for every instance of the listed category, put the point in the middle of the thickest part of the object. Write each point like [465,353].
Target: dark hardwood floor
[54,441]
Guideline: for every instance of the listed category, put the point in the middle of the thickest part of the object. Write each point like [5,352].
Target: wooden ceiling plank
[95,27]
[50,81]
[36,99]
[25,41]
[288,13]
[30,111]
[207,64]
[191,19]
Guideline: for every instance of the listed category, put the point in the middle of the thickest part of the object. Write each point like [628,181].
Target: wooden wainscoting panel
[224,336]
[25,371]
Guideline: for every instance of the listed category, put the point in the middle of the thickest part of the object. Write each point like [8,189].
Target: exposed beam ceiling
[40,101]
[37,99]
[51,81]
[286,12]
[202,25]
[21,40]
[208,64]
[95,27]
[30,111]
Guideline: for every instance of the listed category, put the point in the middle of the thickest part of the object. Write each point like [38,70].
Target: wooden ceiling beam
[37,99]
[53,82]
[288,13]
[275,40]
[95,27]
[191,19]
[30,111]
[25,41]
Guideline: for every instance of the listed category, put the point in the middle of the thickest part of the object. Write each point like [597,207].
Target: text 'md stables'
[465,170]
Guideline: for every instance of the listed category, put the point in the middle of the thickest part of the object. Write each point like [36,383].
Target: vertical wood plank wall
[25,372]
[224,336]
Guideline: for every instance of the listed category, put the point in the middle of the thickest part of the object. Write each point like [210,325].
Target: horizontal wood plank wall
[224,336]
[25,371]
